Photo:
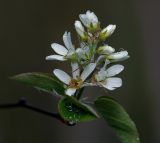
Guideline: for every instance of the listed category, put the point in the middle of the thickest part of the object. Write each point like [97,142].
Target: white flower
[77,81]
[104,78]
[80,29]
[106,32]
[89,19]
[108,53]
[63,52]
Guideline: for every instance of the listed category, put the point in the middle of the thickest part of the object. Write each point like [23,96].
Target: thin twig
[23,103]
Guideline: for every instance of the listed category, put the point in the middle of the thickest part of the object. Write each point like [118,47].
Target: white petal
[118,55]
[56,57]
[70,91]
[122,59]
[105,49]
[92,17]
[59,49]
[67,41]
[114,70]
[109,29]
[88,70]
[109,49]
[75,70]
[79,28]
[62,76]
[89,18]
[101,75]
[84,19]
[112,83]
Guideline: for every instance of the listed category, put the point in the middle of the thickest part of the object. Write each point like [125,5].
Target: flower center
[97,78]
[75,83]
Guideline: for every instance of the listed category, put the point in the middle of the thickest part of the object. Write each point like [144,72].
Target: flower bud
[106,32]
[90,20]
[80,30]
[105,49]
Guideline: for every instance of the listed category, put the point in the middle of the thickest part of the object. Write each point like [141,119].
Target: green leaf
[118,119]
[75,111]
[42,81]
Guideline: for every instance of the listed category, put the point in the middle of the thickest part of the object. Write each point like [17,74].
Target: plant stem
[23,103]
[79,93]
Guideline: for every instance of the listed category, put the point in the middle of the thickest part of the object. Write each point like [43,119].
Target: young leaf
[43,81]
[74,111]
[118,119]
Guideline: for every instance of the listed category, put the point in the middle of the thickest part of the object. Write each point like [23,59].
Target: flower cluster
[91,60]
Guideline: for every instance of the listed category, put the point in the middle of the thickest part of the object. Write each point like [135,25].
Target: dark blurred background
[28,27]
